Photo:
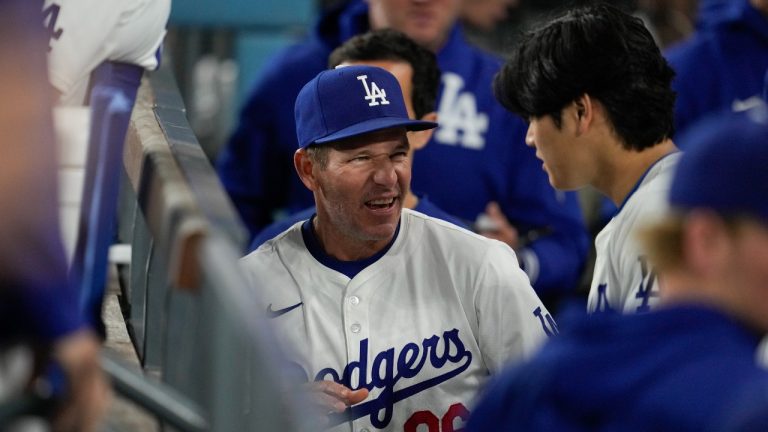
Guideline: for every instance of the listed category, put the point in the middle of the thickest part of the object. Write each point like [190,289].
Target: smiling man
[416,71]
[597,94]
[395,318]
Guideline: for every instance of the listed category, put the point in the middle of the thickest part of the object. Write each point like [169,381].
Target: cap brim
[374,125]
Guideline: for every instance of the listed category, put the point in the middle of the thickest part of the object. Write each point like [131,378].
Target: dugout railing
[190,315]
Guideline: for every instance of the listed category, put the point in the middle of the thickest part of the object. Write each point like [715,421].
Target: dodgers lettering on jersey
[391,366]
[460,122]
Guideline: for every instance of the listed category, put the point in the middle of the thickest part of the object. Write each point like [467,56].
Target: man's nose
[529,136]
[384,172]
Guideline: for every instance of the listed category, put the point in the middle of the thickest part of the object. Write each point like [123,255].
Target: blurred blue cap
[350,101]
[725,166]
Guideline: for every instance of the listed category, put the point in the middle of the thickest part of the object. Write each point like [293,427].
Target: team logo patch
[461,122]
[373,94]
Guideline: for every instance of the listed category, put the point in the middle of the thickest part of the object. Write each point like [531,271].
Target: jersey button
[364,430]
[354,300]
[355,328]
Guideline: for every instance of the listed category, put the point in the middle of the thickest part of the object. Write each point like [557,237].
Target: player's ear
[419,139]
[304,167]
[584,112]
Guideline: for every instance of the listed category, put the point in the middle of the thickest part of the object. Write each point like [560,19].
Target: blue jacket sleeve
[550,222]
[256,165]
[278,227]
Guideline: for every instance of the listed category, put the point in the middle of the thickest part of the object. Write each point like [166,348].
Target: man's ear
[707,243]
[419,139]
[584,107]
[304,167]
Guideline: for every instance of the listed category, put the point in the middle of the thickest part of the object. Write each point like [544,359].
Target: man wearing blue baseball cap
[394,318]
[690,365]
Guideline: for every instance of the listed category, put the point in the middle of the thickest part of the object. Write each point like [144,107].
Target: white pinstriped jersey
[623,280]
[421,328]
[85,33]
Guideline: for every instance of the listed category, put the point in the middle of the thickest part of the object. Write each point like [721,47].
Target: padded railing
[189,310]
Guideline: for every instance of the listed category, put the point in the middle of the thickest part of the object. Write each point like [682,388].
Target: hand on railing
[87,393]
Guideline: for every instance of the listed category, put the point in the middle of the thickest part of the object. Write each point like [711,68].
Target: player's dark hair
[600,51]
[388,44]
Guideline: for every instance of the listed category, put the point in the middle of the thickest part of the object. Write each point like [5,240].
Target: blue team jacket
[686,368]
[476,156]
[723,65]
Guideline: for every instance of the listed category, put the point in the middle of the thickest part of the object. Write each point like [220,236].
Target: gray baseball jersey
[623,280]
[85,33]
[421,328]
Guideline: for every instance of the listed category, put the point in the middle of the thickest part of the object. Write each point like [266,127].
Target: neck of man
[623,168]
[761,6]
[343,247]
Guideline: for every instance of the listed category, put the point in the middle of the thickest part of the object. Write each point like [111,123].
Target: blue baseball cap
[725,166]
[350,101]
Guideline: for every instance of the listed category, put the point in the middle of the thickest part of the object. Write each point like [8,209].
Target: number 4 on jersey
[50,16]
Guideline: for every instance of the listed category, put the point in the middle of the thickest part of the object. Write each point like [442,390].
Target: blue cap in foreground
[725,167]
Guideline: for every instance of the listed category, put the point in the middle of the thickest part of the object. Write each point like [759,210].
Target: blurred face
[761,5]
[359,194]
[485,14]
[564,163]
[428,22]
[748,266]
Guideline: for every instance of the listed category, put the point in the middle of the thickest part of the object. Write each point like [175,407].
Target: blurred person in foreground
[39,313]
[722,65]
[689,365]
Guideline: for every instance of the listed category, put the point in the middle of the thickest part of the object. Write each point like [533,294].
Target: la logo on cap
[373,93]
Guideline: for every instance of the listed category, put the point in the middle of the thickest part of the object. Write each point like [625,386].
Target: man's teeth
[387,201]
